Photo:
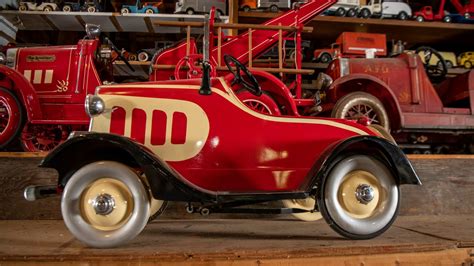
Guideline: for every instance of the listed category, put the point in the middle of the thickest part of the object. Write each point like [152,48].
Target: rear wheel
[361,105]
[105,204]
[23,8]
[67,8]
[403,15]
[420,18]
[447,19]
[274,9]
[149,11]
[124,10]
[11,117]
[91,9]
[468,64]
[360,197]
[246,8]
[48,9]
[262,104]
[305,204]
[190,11]
[340,12]
[351,12]
[365,13]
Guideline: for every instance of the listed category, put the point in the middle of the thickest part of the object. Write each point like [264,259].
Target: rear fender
[372,85]
[277,89]
[84,148]
[383,150]
[15,81]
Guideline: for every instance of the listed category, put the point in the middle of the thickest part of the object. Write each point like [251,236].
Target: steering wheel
[436,72]
[194,71]
[252,84]
[119,53]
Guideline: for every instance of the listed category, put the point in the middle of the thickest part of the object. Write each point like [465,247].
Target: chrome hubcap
[104,204]
[364,193]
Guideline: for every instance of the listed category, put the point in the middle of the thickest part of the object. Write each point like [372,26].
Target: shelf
[440,35]
[109,22]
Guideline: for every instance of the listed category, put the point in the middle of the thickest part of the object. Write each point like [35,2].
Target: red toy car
[425,111]
[42,90]
[195,142]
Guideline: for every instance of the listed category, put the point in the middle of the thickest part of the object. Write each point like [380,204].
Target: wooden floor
[436,227]
[427,240]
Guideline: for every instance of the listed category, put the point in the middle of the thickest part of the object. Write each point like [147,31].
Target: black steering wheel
[252,84]
[119,53]
[437,72]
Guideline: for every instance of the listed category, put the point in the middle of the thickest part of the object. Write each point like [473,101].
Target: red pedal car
[195,142]
[42,90]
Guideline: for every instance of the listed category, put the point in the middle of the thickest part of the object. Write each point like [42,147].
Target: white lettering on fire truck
[196,124]
[38,76]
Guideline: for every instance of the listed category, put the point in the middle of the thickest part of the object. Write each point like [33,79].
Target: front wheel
[67,8]
[11,117]
[91,9]
[124,10]
[403,15]
[104,204]
[361,105]
[149,11]
[468,64]
[360,197]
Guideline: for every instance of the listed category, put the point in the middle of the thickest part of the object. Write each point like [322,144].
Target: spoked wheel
[11,117]
[358,105]
[104,204]
[38,138]
[359,198]
[305,204]
[263,104]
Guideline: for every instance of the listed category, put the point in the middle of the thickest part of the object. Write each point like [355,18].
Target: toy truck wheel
[274,9]
[365,13]
[325,58]
[104,204]
[124,10]
[361,105]
[149,11]
[190,11]
[360,197]
[47,9]
[91,9]
[420,18]
[262,104]
[246,8]
[351,12]
[305,204]
[11,117]
[340,12]
[67,8]
[468,64]
[23,7]
[447,19]
[402,15]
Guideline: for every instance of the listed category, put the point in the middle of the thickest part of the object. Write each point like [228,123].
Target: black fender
[383,150]
[87,147]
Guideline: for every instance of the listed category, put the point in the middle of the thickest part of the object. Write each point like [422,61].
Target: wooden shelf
[440,35]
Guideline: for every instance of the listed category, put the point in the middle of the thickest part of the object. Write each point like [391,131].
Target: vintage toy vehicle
[385,9]
[89,6]
[425,111]
[184,149]
[466,59]
[273,6]
[449,58]
[200,6]
[42,90]
[35,6]
[146,7]
[353,44]
[427,12]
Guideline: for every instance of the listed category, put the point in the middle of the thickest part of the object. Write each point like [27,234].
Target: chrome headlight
[92,31]
[323,81]
[94,105]
[3,59]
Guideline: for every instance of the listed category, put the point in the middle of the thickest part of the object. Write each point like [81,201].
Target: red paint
[179,129]
[158,128]
[138,125]
[117,121]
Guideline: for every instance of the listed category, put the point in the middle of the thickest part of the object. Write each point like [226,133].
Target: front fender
[385,151]
[24,90]
[85,147]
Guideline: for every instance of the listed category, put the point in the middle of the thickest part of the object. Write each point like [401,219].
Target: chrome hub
[104,204]
[364,193]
